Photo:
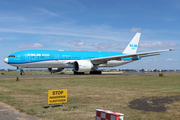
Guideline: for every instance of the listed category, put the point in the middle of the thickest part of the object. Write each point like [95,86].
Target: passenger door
[27,57]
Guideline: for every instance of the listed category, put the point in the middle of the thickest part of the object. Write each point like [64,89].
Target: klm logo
[133,46]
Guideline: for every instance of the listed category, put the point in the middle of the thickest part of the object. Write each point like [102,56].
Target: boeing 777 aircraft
[80,61]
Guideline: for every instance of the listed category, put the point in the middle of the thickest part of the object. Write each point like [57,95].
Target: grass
[87,93]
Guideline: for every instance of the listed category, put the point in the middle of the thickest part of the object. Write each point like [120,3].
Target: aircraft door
[27,57]
[56,57]
[56,62]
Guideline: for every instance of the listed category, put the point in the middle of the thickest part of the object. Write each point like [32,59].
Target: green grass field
[87,93]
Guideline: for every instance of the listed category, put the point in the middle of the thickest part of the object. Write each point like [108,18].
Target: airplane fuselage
[60,59]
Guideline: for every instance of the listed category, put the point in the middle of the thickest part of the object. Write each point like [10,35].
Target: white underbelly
[43,64]
[114,63]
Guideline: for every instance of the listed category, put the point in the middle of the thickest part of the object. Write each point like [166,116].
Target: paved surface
[68,75]
[9,113]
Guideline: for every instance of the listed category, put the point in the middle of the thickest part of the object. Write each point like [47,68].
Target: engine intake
[82,66]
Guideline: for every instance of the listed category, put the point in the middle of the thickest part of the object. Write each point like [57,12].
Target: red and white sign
[108,115]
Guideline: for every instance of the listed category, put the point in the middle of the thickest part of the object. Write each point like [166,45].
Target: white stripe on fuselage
[43,64]
[64,64]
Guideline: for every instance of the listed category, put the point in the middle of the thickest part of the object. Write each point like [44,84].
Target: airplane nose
[6,60]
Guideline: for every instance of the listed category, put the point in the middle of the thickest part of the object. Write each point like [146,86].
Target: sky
[92,25]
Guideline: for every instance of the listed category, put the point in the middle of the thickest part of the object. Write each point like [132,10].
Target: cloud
[120,48]
[103,46]
[1,39]
[74,42]
[155,59]
[91,32]
[13,19]
[66,40]
[157,44]
[25,46]
[47,12]
[169,19]
[135,29]
[171,59]
[78,43]
[54,39]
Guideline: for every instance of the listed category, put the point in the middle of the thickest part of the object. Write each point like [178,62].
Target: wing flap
[119,57]
[149,55]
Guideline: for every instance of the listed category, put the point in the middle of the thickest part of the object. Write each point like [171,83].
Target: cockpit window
[11,56]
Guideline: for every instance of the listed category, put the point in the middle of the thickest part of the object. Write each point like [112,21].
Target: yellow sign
[57,96]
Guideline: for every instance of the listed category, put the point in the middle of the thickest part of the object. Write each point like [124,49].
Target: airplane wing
[135,55]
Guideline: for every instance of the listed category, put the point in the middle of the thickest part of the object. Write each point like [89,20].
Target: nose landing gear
[20,70]
[22,73]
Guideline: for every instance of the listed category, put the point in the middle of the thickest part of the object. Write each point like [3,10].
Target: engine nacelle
[82,66]
[55,69]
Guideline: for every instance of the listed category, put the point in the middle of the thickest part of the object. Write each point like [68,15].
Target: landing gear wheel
[95,72]
[22,73]
[78,73]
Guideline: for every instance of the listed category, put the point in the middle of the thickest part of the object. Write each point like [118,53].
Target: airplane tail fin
[132,46]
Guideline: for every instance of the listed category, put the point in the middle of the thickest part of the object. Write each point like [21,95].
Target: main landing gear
[95,72]
[78,73]
[91,72]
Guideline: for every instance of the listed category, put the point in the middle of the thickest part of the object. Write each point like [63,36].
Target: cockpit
[11,56]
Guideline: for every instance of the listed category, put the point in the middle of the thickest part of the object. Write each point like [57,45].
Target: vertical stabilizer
[132,46]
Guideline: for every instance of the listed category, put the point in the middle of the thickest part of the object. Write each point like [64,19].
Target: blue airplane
[80,61]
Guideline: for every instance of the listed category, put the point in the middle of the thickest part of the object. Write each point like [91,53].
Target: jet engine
[82,66]
[53,70]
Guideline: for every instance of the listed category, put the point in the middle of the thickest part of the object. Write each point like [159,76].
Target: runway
[71,75]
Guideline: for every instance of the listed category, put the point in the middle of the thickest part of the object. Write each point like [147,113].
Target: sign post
[57,96]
